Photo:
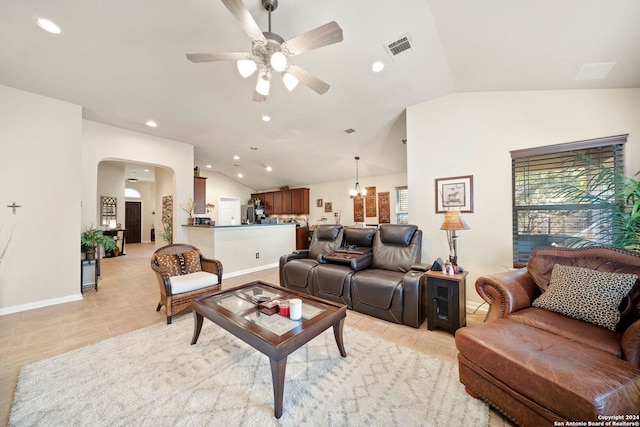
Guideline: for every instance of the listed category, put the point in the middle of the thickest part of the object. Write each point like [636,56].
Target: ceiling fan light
[246,67]
[289,81]
[278,61]
[263,86]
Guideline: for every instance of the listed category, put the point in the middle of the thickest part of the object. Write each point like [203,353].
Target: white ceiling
[124,62]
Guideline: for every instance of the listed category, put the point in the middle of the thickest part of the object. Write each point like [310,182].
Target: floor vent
[402,46]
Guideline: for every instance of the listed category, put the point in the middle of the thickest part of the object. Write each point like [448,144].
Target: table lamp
[452,222]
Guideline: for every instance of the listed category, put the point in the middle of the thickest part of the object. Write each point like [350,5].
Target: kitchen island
[244,248]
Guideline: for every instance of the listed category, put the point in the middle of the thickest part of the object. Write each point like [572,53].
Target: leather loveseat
[561,340]
[373,271]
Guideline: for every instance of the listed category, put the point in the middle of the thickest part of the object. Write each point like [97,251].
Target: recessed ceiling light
[377,66]
[239,175]
[236,157]
[151,124]
[48,26]
[146,170]
[209,166]
[265,118]
[268,168]
[132,179]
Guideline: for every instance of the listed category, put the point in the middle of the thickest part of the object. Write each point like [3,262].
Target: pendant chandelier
[357,192]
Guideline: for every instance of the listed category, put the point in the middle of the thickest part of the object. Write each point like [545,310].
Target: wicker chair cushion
[191,282]
[184,263]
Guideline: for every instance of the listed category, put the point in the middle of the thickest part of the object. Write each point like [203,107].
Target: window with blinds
[402,205]
[563,194]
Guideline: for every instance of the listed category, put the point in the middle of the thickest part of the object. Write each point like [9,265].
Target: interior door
[133,222]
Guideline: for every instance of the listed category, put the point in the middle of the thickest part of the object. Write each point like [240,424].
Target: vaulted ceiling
[124,62]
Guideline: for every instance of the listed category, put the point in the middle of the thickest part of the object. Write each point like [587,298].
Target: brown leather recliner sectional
[539,366]
[373,271]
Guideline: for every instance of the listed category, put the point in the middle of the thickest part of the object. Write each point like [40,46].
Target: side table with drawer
[446,297]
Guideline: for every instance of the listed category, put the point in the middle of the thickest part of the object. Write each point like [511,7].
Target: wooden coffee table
[236,311]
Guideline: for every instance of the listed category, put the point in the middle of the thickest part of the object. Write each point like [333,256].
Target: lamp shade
[278,61]
[263,86]
[453,221]
[246,67]
[290,82]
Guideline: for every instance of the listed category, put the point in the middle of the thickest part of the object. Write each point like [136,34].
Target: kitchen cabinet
[302,242]
[199,194]
[300,201]
[294,201]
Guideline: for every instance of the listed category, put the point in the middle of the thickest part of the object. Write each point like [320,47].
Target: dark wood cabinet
[301,238]
[300,201]
[446,299]
[267,201]
[199,194]
[294,201]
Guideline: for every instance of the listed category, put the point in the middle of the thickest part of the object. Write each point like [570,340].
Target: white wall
[337,192]
[218,186]
[110,183]
[102,142]
[472,134]
[40,142]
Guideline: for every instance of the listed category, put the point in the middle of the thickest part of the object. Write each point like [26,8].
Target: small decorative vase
[90,253]
[196,171]
[191,221]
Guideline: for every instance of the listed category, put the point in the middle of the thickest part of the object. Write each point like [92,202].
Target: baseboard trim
[39,304]
[249,270]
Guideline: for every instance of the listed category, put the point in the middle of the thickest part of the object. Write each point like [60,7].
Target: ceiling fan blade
[258,97]
[248,24]
[308,79]
[208,57]
[322,36]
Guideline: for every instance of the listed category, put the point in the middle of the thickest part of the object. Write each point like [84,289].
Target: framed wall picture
[328,207]
[455,193]
[319,203]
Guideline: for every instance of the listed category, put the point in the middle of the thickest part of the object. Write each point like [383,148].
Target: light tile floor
[126,300]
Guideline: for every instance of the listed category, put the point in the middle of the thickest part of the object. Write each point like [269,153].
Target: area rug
[154,377]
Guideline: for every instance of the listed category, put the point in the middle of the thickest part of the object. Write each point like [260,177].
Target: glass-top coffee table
[236,310]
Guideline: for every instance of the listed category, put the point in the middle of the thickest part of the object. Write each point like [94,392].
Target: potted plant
[188,208]
[616,197]
[167,232]
[91,238]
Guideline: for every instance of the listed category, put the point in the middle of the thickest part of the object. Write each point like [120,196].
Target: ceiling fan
[269,52]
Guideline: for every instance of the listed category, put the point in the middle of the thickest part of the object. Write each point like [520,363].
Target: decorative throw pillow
[589,295]
[176,265]
[190,262]
[169,263]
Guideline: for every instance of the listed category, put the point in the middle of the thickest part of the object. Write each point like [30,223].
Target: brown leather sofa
[539,367]
[296,268]
[373,271]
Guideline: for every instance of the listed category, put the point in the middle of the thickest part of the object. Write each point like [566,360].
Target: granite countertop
[235,226]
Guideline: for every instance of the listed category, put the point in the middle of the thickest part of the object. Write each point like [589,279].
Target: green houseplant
[616,197]
[91,238]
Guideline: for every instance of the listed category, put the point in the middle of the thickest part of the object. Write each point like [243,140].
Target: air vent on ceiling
[401,46]
[349,130]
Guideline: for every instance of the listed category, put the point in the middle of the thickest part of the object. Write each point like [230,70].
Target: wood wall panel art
[384,214]
[358,210]
[371,202]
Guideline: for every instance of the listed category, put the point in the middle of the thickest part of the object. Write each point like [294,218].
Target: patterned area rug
[154,377]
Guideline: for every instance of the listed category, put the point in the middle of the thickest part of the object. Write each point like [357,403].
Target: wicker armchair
[183,275]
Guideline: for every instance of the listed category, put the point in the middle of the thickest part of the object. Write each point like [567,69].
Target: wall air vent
[401,46]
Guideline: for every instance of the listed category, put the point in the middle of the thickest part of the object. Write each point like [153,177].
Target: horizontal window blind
[402,205]
[556,201]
